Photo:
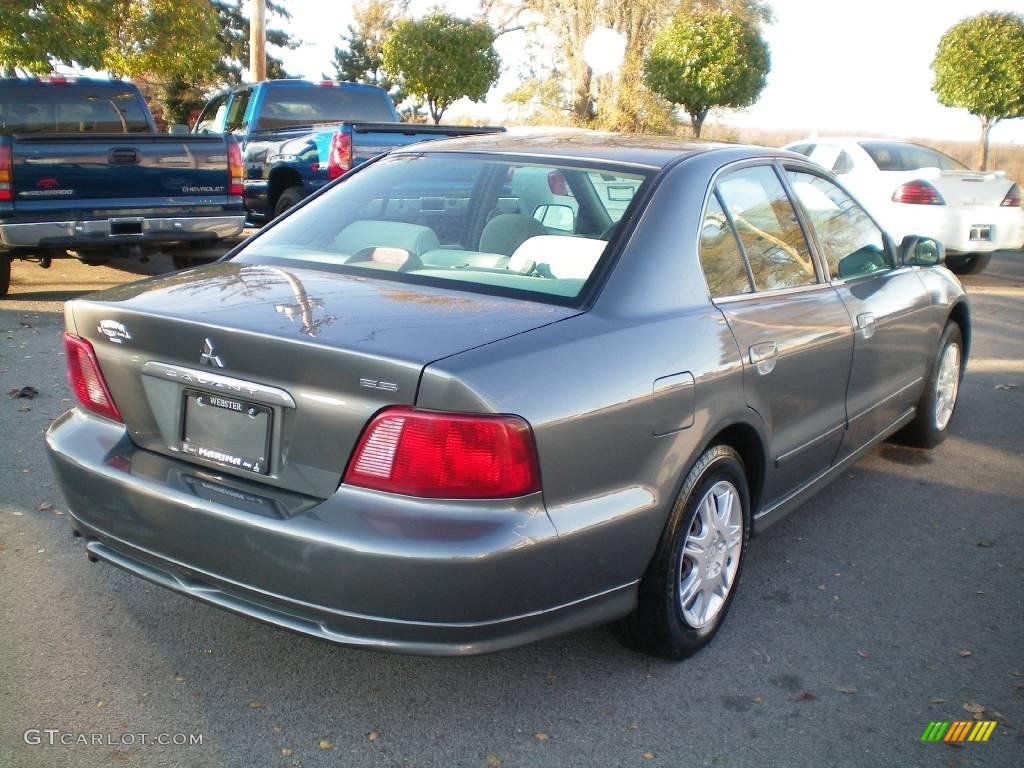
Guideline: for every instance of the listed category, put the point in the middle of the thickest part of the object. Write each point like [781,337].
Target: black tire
[5,274]
[658,625]
[968,263]
[925,431]
[287,199]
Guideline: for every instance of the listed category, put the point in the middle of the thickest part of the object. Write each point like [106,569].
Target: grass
[1001,157]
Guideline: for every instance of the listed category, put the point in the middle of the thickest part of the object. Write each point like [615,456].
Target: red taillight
[236,170]
[87,379]
[339,157]
[1012,199]
[445,455]
[918,193]
[5,173]
[557,184]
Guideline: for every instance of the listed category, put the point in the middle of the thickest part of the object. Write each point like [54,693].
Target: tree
[979,66]
[360,57]
[233,36]
[708,58]
[165,38]
[620,101]
[442,59]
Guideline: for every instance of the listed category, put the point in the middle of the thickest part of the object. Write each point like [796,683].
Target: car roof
[576,144]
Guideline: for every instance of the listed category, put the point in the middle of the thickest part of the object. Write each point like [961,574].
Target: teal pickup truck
[298,135]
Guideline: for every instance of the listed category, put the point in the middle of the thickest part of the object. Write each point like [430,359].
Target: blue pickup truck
[298,135]
[83,173]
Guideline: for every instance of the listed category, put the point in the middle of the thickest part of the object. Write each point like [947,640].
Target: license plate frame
[981,233]
[243,431]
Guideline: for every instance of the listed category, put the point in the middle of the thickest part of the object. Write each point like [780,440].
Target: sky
[860,67]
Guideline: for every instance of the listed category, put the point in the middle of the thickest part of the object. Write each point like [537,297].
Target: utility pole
[257,40]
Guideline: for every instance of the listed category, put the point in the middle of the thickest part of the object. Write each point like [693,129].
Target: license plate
[227,431]
[981,232]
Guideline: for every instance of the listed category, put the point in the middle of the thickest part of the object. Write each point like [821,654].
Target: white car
[915,190]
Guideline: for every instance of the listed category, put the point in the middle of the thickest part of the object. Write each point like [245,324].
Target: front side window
[212,118]
[724,266]
[447,219]
[850,241]
[768,229]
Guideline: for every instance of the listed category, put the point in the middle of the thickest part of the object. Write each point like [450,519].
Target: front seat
[507,231]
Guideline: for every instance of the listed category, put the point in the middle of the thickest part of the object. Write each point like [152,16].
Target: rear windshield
[475,222]
[298,105]
[894,156]
[70,108]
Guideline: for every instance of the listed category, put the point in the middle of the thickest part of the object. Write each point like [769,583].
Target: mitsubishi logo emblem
[209,355]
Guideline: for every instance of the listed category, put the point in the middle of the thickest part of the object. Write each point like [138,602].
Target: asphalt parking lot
[892,599]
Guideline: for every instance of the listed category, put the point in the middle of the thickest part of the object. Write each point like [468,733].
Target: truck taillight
[87,379]
[917,193]
[236,171]
[5,174]
[445,455]
[1012,199]
[339,157]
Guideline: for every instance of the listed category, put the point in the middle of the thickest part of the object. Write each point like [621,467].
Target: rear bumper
[119,230]
[362,569]
[964,230]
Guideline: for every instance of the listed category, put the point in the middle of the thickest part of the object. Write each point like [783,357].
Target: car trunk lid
[222,358]
[961,188]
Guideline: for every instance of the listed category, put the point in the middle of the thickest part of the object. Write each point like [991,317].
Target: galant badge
[209,355]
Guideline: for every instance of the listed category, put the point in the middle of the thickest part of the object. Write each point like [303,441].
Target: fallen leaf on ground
[373,735]
[758,699]
[325,744]
[493,761]
[541,736]
[1006,387]
[24,409]
[286,752]
[276,728]
[118,755]
[936,701]
[975,709]
[100,704]
[845,688]
[44,506]
[647,755]
[23,393]
[255,705]
[965,653]
[985,544]
[631,725]
[864,654]
[805,696]
[179,679]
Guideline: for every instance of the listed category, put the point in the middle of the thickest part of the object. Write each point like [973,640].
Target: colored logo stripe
[959,730]
[935,730]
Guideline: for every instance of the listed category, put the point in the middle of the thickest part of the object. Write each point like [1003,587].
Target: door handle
[866,325]
[763,356]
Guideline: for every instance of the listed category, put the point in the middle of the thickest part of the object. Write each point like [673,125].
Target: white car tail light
[917,193]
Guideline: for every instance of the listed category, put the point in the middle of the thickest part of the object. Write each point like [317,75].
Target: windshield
[474,222]
[895,156]
[70,108]
[305,105]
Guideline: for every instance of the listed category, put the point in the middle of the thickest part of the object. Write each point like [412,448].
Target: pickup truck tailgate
[155,169]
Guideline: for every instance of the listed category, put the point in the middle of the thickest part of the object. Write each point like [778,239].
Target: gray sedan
[420,413]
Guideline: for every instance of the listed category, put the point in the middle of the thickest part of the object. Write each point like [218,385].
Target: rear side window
[896,156]
[70,108]
[298,105]
[720,254]
[850,241]
[768,229]
[236,111]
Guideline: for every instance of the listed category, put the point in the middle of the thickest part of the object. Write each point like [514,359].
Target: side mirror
[178,129]
[560,217]
[918,251]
